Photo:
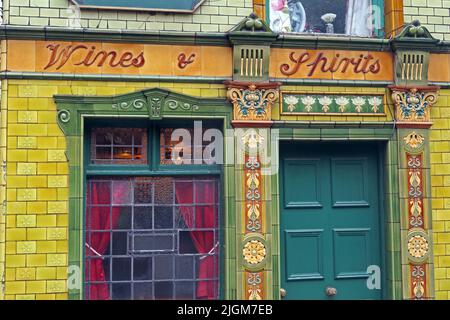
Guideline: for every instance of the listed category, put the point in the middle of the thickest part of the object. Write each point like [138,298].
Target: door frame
[388,183]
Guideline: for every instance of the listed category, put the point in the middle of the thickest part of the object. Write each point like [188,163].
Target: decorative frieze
[332,104]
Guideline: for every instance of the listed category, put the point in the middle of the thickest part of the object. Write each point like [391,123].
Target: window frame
[379,33]
[152,168]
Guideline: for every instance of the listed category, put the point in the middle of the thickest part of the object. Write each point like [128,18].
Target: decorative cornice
[9,32]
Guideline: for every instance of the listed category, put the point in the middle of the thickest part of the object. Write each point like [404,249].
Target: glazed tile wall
[37,181]
[440,183]
[211,16]
[434,14]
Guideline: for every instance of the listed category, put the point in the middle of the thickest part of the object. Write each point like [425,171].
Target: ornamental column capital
[252,102]
[413,105]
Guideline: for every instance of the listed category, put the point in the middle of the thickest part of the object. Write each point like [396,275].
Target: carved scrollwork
[64,115]
[136,104]
[174,105]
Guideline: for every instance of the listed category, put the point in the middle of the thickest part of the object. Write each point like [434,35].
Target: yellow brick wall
[440,182]
[37,181]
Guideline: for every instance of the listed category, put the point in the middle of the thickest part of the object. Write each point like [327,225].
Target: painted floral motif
[375,102]
[418,281]
[342,102]
[308,101]
[254,252]
[325,102]
[252,139]
[418,246]
[254,286]
[414,140]
[291,101]
[359,102]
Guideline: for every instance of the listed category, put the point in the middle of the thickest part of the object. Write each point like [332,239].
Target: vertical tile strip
[3,139]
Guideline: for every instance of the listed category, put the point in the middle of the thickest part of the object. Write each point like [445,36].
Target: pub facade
[226,149]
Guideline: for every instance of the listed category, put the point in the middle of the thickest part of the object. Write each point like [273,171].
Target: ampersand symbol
[183,62]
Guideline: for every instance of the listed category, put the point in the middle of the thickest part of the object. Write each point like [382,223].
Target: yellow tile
[37,129]
[62,246]
[16,207]
[63,193]
[46,247]
[57,155]
[26,194]
[10,274]
[36,207]
[25,273]
[15,260]
[61,272]
[62,220]
[57,207]
[26,168]
[62,296]
[56,233]
[17,129]
[26,221]
[45,273]
[47,194]
[26,247]
[17,103]
[56,260]
[36,233]
[27,117]
[17,155]
[37,286]
[48,220]
[46,168]
[37,155]
[15,287]
[56,286]
[47,143]
[37,181]
[26,142]
[47,117]
[15,234]
[25,297]
[57,181]
[36,260]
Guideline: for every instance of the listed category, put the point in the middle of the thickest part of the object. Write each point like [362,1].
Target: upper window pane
[119,146]
[153,5]
[351,17]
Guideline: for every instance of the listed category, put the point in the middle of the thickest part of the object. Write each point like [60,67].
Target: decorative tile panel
[332,104]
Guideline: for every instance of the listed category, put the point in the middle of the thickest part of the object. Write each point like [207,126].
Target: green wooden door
[330,220]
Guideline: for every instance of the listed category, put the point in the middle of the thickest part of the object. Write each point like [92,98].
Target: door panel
[329,219]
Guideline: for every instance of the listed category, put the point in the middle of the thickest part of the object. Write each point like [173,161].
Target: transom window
[351,17]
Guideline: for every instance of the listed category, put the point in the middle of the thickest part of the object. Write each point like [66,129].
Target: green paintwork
[297,104]
[75,113]
[330,219]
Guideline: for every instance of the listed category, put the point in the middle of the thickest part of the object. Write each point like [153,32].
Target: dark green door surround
[330,220]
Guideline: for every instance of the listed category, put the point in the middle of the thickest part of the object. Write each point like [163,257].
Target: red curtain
[205,217]
[97,243]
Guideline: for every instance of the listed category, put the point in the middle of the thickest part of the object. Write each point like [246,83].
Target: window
[149,236]
[118,146]
[153,5]
[350,17]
